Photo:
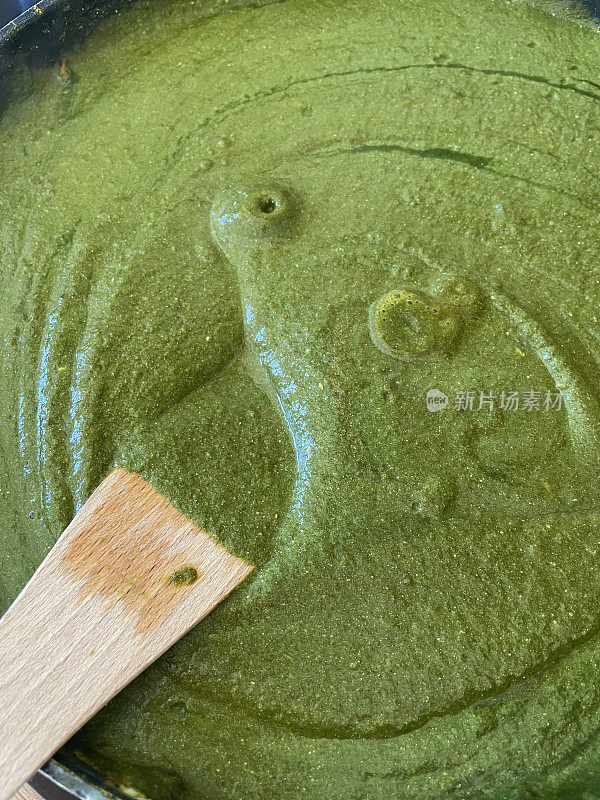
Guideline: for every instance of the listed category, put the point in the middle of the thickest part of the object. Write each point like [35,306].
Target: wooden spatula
[26,792]
[128,577]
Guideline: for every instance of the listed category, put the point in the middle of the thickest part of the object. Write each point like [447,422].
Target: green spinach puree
[240,243]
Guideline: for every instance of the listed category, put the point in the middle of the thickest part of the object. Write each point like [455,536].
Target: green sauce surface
[239,244]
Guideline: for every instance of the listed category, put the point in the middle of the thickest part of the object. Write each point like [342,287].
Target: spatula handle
[128,577]
[27,793]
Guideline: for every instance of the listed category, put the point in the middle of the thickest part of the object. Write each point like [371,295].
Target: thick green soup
[327,273]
